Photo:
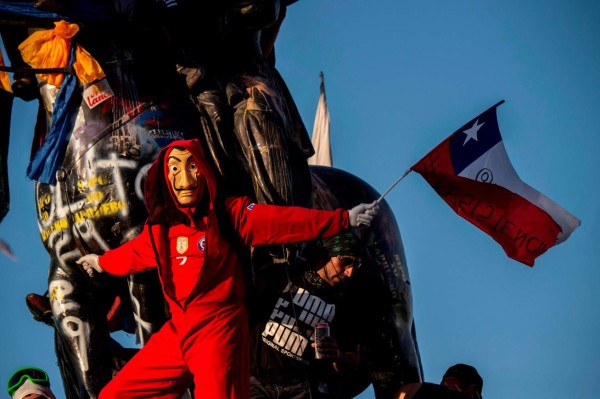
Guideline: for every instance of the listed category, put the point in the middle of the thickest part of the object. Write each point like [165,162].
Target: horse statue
[117,127]
[247,121]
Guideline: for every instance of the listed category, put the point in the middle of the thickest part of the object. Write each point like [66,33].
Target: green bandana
[345,243]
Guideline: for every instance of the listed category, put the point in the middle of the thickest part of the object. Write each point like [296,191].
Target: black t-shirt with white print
[283,327]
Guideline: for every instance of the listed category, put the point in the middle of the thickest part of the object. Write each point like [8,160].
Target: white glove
[363,214]
[90,264]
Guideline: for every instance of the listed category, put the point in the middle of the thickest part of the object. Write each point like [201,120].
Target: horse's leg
[81,328]
[267,148]
[67,369]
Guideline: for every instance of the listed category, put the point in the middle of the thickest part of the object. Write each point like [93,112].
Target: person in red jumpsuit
[193,235]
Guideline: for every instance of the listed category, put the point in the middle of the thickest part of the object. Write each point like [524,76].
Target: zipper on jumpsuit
[158,261]
[190,296]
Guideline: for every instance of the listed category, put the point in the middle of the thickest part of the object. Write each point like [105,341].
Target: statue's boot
[39,306]
[192,74]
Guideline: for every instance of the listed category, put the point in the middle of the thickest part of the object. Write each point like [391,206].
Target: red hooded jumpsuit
[206,340]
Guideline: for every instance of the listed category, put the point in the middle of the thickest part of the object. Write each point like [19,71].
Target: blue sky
[401,76]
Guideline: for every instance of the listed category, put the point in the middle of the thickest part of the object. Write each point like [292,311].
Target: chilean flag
[471,171]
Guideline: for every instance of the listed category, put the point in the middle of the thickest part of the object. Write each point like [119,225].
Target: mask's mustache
[186,188]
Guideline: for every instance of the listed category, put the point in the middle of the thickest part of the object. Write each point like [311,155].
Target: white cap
[30,387]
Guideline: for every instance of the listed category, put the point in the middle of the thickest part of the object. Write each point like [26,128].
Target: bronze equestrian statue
[249,124]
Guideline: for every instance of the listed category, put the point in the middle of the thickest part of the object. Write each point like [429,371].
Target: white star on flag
[472,132]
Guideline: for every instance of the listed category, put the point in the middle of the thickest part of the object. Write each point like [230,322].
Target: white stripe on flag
[320,134]
[495,167]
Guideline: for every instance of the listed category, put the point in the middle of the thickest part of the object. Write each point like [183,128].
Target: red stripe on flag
[524,230]
[437,160]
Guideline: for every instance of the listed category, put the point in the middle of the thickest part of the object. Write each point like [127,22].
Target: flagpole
[322,85]
[393,185]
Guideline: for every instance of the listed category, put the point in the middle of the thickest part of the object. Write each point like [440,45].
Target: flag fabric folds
[53,48]
[471,171]
[320,134]
[48,158]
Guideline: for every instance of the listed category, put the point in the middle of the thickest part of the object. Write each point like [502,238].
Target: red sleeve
[134,256]
[260,224]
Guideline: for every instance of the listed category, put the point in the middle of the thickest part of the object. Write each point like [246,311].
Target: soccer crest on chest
[182,245]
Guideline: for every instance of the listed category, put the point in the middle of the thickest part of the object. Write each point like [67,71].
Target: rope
[65,70]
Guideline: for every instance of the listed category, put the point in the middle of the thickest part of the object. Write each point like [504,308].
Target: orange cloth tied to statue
[50,49]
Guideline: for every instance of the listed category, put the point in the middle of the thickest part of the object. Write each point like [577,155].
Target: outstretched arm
[134,256]
[259,224]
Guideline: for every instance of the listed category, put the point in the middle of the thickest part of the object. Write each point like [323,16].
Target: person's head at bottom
[465,379]
[29,383]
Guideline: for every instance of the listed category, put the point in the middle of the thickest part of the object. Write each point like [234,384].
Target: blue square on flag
[473,140]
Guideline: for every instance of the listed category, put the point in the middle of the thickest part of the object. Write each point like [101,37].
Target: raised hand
[363,214]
